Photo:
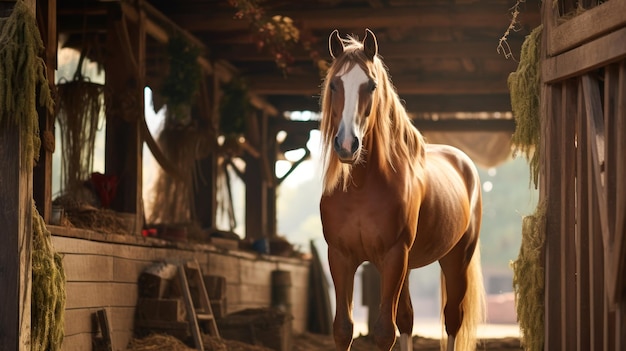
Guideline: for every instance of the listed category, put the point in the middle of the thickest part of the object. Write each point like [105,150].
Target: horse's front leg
[342,269]
[393,269]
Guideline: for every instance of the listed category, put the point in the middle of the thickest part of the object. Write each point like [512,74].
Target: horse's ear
[335,45]
[370,45]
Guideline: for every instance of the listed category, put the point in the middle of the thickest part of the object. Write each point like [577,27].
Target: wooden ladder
[190,274]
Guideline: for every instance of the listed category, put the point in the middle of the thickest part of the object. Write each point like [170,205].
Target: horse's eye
[372,86]
[332,86]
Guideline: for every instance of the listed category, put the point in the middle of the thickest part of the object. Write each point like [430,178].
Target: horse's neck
[370,167]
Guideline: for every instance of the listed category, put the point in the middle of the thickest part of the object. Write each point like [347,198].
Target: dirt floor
[311,342]
[305,342]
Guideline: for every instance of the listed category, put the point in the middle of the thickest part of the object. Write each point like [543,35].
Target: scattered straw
[48,290]
[525,85]
[528,275]
[158,342]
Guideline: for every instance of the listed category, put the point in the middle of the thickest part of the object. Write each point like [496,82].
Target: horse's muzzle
[345,155]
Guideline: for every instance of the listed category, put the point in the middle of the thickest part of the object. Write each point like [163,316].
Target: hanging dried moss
[528,280]
[524,86]
[22,77]
[172,201]
[234,107]
[182,83]
[48,290]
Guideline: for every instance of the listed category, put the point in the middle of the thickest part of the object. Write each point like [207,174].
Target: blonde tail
[473,306]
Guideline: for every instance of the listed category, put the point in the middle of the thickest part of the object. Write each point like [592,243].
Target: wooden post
[42,177]
[256,199]
[16,189]
[205,190]
[125,66]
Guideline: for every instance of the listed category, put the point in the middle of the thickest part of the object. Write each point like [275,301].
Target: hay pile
[528,280]
[525,86]
[164,342]
[22,77]
[48,294]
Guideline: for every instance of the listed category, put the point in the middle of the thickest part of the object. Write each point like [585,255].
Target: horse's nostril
[337,144]
[355,144]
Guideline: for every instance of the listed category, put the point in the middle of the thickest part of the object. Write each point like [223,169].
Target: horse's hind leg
[404,318]
[455,281]
[464,294]
[342,270]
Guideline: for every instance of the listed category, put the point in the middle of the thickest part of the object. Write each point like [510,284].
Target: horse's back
[451,200]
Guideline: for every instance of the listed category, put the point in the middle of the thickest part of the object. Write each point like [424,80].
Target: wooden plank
[80,320]
[256,294]
[147,253]
[619,235]
[586,57]
[88,267]
[596,128]
[596,248]
[553,263]
[78,342]
[583,241]
[97,294]
[568,200]
[102,268]
[105,329]
[588,25]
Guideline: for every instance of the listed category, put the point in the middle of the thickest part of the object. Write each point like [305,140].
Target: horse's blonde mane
[397,141]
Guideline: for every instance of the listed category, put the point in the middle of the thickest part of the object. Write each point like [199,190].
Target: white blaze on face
[352,81]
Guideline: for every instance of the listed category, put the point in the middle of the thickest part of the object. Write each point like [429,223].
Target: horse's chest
[366,220]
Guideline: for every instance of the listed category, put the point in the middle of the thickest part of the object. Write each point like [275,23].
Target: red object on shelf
[105,186]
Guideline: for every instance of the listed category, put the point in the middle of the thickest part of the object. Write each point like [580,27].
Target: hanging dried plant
[277,34]
[182,83]
[81,103]
[22,77]
[234,108]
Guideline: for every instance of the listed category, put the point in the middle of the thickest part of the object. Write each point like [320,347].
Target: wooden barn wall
[584,138]
[103,275]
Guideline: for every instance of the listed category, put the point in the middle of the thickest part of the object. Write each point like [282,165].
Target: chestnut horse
[393,200]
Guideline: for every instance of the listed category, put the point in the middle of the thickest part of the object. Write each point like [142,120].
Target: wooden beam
[441,125]
[465,125]
[589,56]
[406,84]
[16,192]
[222,69]
[586,26]
[42,174]
[389,50]
[124,90]
[413,103]
[468,16]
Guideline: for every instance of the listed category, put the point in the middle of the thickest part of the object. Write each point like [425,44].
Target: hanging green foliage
[48,294]
[528,280]
[183,80]
[525,86]
[234,107]
[22,77]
